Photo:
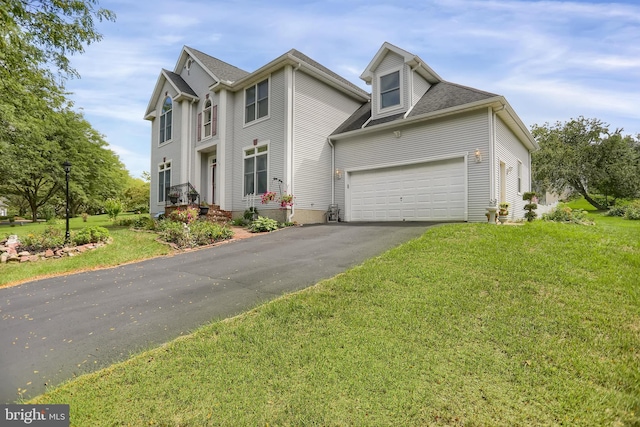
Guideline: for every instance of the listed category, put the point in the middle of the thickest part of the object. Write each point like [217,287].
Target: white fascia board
[509,116]
[278,64]
[492,102]
[182,61]
[150,113]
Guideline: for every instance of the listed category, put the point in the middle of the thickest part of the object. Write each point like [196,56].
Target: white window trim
[166,141]
[244,156]
[244,103]
[166,162]
[519,182]
[401,89]
[203,124]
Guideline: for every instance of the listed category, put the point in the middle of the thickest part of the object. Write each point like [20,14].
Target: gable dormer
[398,79]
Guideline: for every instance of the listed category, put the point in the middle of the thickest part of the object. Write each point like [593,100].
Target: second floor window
[256,101]
[206,119]
[390,90]
[165,120]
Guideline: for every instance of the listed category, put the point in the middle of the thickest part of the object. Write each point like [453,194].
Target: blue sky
[552,60]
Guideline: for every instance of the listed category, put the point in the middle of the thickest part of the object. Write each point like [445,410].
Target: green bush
[263,224]
[113,207]
[563,213]
[144,223]
[94,234]
[50,238]
[633,211]
[206,232]
[175,232]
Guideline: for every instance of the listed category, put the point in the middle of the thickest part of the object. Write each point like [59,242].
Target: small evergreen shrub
[93,234]
[263,224]
[530,207]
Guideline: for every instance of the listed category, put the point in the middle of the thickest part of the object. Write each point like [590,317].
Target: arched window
[165,120]
[206,119]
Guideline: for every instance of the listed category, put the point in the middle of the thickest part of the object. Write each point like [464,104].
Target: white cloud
[553,60]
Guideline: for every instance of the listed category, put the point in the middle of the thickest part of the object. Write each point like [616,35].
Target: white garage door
[423,192]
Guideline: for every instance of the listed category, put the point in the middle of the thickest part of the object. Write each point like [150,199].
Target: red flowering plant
[267,197]
[186,215]
[286,200]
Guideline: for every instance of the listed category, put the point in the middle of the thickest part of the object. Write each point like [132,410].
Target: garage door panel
[429,191]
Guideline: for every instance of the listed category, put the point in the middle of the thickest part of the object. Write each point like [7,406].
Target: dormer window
[390,90]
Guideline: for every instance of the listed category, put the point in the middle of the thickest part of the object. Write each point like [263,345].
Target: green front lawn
[127,246]
[471,324]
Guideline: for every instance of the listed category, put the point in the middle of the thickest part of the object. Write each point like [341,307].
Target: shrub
[563,213]
[144,223]
[93,234]
[206,232]
[186,215]
[249,213]
[175,232]
[633,211]
[113,207]
[50,238]
[263,224]
[530,207]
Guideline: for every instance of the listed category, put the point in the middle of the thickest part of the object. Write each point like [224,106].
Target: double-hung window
[206,118]
[164,180]
[165,120]
[519,176]
[255,170]
[256,101]
[390,90]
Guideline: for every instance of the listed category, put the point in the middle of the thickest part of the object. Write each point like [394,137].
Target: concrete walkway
[55,329]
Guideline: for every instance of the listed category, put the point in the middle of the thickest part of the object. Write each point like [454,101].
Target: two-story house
[416,148]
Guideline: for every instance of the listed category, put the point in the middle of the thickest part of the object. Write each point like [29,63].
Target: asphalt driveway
[55,329]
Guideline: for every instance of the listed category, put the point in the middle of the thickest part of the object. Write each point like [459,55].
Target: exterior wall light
[478,155]
[338,174]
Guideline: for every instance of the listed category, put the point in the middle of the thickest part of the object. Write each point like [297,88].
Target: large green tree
[38,131]
[34,171]
[584,156]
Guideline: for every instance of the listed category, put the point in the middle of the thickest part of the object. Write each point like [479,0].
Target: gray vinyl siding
[318,111]
[419,88]
[429,140]
[171,150]
[509,150]
[271,129]
[390,62]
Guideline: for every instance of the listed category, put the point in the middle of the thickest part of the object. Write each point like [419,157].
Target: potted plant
[503,213]
[286,200]
[173,197]
[193,195]
[204,208]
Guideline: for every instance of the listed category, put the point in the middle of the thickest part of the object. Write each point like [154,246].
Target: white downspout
[333,168]
[290,142]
